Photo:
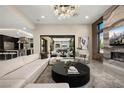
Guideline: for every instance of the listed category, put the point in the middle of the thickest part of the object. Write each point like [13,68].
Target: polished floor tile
[98,77]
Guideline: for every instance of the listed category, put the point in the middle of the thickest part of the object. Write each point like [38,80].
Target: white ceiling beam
[24,18]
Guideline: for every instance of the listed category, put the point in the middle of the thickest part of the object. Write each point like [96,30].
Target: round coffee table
[60,74]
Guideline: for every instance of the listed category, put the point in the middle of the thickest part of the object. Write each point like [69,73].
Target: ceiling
[35,12]
[15,33]
[28,16]
[11,17]
[62,39]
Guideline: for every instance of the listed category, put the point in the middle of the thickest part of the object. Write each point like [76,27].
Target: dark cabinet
[4,38]
[1,43]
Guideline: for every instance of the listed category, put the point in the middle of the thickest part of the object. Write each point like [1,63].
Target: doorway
[57,45]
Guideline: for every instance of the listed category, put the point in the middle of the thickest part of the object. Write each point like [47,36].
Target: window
[100,26]
[100,37]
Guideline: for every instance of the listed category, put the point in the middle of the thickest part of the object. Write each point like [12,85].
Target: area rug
[98,78]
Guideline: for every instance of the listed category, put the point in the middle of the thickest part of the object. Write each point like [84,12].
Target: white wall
[77,30]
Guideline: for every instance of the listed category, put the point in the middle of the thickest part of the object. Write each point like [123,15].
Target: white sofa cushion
[18,59]
[10,65]
[48,85]
[27,71]
[30,58]
[12,83]
[42,65]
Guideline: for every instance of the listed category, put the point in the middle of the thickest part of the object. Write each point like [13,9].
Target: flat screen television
[116,36]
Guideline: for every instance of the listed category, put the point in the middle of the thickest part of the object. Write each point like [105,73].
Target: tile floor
[98,77]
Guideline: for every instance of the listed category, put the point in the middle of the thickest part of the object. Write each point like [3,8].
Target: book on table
[72,70]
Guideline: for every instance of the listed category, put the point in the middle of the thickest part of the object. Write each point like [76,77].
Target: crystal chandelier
[65,11]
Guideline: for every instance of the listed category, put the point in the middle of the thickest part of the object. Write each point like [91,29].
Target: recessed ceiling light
[42,16]
[24,28]
[17,33]
[86,17]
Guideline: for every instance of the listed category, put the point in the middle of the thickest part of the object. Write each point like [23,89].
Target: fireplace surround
[118,56]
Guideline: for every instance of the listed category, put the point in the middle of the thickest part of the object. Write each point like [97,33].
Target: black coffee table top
[60,68]
[60,74]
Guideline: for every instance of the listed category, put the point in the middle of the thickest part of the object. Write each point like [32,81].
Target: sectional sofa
[21,71]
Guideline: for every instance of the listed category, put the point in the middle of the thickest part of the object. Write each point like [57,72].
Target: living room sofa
[21,71]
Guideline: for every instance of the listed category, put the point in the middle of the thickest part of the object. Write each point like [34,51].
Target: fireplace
[118,56]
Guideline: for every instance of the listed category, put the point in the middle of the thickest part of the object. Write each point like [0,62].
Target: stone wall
[113,17]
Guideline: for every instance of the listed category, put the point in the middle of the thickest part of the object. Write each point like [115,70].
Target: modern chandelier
[65,11]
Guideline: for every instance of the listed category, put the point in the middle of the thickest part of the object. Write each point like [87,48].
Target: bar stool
[9,53]
[12,54]
[5,54]
[1,54]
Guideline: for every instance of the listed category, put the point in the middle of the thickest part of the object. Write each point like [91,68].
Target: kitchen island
[8,54]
